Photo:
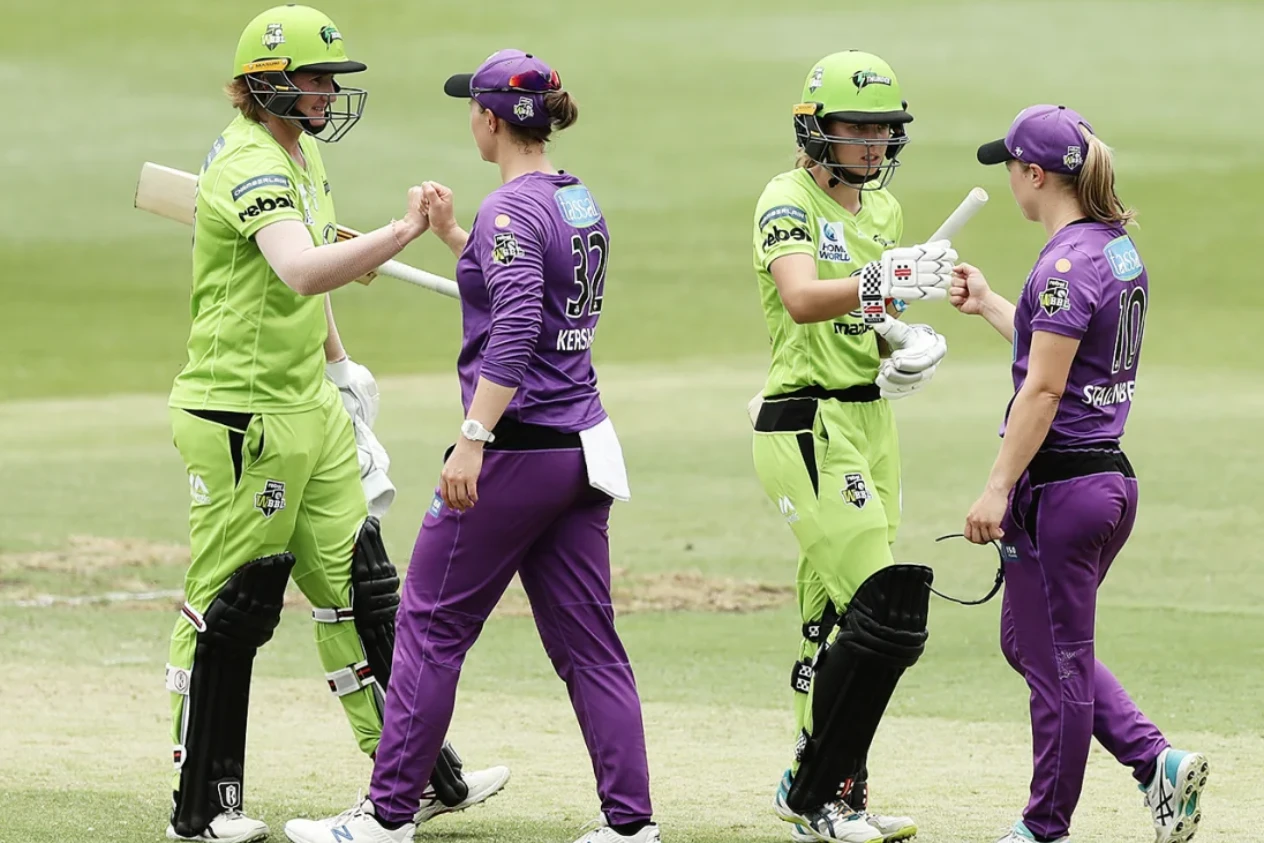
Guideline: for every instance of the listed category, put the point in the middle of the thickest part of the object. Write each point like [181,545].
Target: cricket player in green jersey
[825,448]
[260,423]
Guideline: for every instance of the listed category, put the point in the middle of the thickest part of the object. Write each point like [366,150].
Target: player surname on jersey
[576,339]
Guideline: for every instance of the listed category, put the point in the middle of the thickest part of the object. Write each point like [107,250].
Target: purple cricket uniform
[1074,507]
[532,280]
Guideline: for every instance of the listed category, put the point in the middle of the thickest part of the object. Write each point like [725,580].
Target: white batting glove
[358,389]
[379,491]
[895,384]
[914,348]
[911,273]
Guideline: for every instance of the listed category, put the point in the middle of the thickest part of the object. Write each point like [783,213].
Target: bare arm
[1034,407]
[808,298]
[971,295]
[999,313]
[311,270]
[334,350]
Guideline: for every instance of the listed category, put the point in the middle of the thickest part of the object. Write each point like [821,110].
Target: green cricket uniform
[830,464]
[268,446]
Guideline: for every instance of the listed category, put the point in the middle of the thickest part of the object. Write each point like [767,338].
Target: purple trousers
[1065,535]
[537,517]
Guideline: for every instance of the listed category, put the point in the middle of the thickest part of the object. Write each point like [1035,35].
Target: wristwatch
[474,431]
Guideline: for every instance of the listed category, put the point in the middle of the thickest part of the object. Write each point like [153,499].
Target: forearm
[1030,418]
[999,313]
[822,300]
[334,350]
[312,270]
[489,403]
[454,238]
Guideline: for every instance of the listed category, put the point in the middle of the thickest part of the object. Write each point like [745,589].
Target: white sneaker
[355,825]
[482,784]
[833,822]
[228,827]
[601,832]
[1020,834]
[1172,797]
[893,829]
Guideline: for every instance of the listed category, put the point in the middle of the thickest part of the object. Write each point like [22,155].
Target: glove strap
[872,302]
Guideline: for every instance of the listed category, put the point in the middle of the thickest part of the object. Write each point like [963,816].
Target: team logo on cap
[524,110]
[273,36]
[864,78]
[1074,157]
[818,79]
[329,35]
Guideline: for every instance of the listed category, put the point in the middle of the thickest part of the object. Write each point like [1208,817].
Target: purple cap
[511,84]
[1047,135]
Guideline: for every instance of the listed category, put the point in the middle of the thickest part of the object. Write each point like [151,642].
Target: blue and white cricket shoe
[1021,834]
[1174,793]
[833,822]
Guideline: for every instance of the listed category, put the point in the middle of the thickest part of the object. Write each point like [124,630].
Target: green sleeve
[251,189]
[782,223]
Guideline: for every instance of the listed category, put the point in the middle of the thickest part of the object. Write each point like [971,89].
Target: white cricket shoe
[228,827]
[356,825]
[833,822]
[1173,795]
[1020,834]
[893,829]
[601,832]
[482,784]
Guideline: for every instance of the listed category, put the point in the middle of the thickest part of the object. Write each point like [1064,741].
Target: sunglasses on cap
[527,82]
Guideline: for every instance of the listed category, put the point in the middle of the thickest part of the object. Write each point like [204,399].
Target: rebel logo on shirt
[505,248]
[781,235]
[855,492]
[1055,297]
[264,205]
[272,499]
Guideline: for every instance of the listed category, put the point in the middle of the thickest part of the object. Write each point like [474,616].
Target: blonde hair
[1094,185]
[238,92]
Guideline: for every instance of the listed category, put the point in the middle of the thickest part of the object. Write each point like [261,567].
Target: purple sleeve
[511,254]
[1064,292]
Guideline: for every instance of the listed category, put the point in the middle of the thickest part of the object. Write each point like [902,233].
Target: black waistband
[1054,466]
[513,435]
[797,410]
[237,421]
[859,394]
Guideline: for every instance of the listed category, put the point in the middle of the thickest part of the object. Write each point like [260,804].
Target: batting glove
[358,389]
[911,273]
[914,348]
[895,384]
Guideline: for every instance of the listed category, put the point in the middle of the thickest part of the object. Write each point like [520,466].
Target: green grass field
[684,117]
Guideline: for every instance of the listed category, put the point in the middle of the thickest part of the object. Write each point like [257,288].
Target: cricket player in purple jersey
[1062,498]
[528,487]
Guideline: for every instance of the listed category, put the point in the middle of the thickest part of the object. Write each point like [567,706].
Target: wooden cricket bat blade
[166,192]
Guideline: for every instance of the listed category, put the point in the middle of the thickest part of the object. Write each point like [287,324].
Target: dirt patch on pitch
[89,554]
[673,591]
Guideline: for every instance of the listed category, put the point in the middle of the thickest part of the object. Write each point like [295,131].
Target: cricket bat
[172,193]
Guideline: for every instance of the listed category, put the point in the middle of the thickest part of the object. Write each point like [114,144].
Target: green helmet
[854,87]
[285,39]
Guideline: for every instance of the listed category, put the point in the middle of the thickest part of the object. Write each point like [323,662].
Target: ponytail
[1094,185]
[563,112]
